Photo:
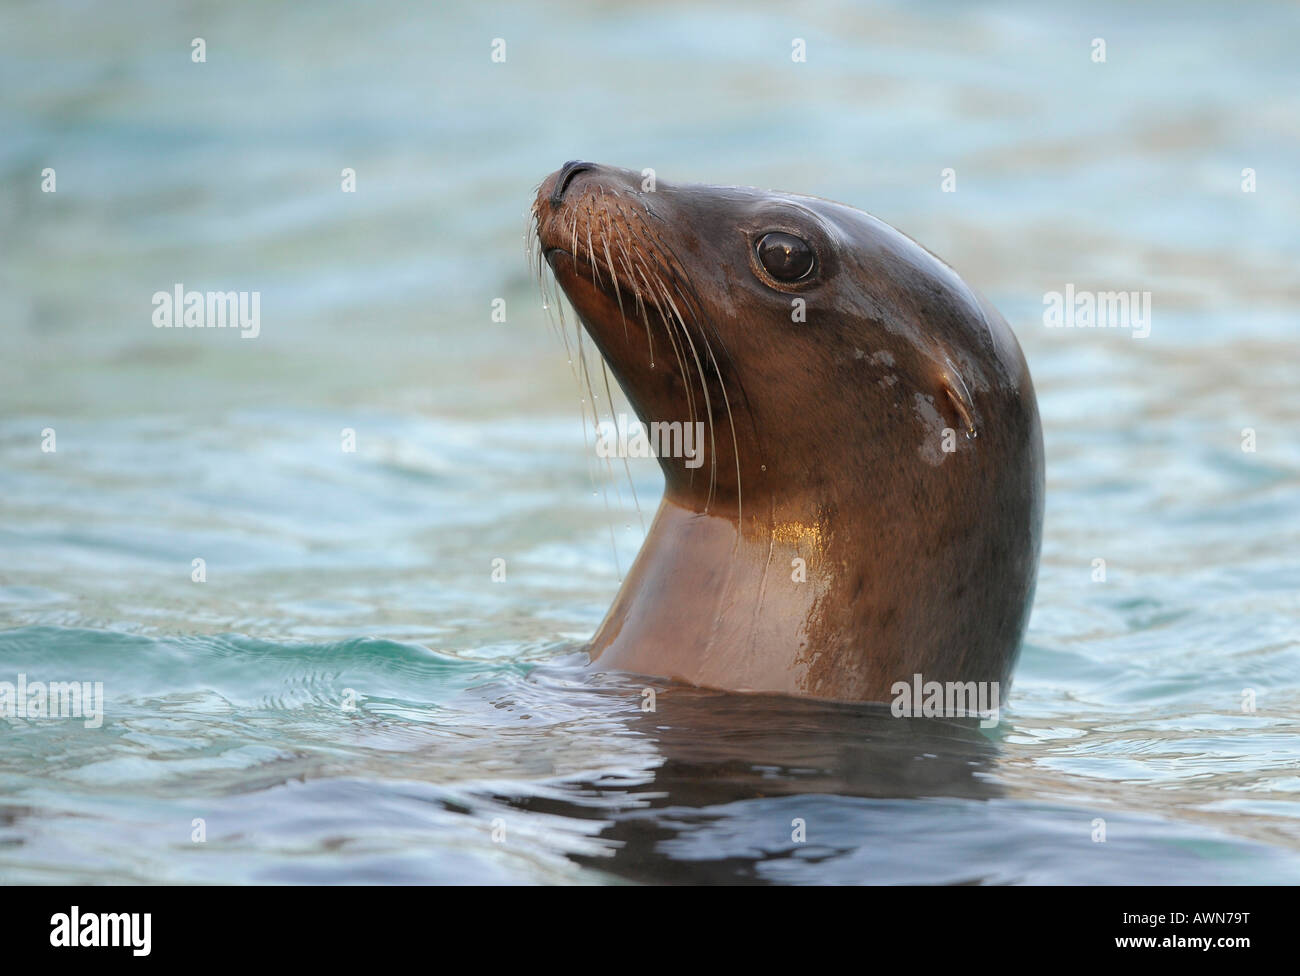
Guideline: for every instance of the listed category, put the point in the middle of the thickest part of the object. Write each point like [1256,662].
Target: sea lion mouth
[549,252]
[632,287]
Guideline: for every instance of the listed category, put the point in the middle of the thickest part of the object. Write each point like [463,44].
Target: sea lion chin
[869,506]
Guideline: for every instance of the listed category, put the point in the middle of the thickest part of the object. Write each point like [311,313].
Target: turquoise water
[348,696]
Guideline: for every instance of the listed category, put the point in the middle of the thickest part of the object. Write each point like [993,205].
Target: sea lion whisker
[645,319]
[708,405]
[665,262]
[553,306]
[726,399]
[613,274]
[673,343]
[682,368]
[627,468]
[591,258]
[589,450]
[558,307]
[677,353]
[713,443]
[631,281]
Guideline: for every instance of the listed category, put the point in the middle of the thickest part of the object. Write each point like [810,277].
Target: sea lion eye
[785,257]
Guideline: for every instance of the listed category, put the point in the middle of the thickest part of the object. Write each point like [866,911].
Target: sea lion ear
[958,395]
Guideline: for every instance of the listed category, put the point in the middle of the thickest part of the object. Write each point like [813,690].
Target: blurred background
[328,569]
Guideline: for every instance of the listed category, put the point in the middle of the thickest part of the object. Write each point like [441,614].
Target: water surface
[348,696]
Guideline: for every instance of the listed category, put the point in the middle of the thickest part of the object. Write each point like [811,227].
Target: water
[476,747]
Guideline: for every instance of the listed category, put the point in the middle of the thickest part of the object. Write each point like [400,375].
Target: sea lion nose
[567,172]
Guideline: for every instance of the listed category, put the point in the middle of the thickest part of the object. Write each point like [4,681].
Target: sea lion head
[870,499]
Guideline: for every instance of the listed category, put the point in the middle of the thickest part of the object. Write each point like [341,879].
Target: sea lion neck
[682,612]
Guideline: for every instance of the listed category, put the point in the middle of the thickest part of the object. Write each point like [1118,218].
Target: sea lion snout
[558,198]
[564,176]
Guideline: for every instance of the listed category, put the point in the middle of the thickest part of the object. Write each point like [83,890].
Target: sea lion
[870,504]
